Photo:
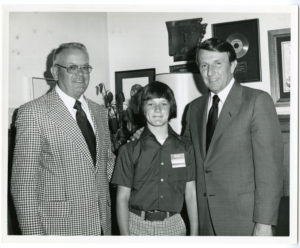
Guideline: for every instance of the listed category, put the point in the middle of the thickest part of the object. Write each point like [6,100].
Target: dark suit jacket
[239,179]
[56,188]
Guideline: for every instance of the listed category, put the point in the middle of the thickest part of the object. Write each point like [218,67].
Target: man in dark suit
[62,161]
[238,149]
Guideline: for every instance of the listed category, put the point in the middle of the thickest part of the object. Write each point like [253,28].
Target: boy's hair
[158,89]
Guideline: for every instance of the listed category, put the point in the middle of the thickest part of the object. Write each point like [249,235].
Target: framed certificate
[280,65]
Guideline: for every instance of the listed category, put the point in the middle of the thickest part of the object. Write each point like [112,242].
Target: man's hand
[262,230]
[136,135]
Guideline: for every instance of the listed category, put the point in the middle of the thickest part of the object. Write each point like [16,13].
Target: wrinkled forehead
[208,55]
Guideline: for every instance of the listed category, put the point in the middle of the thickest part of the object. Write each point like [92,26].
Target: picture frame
[244,37]
[41,86]
[124,80]
[279,58]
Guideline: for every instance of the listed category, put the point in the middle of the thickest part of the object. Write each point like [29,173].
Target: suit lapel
[62,118]
[203,121]
[98,125]
[229,111]
[200,123]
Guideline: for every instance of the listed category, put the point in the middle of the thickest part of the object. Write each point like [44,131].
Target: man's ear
[54,72]
[233,66]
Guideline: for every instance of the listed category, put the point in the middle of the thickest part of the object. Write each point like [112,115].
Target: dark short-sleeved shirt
[157,174]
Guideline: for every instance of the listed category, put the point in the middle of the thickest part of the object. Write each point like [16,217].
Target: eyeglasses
[72,69]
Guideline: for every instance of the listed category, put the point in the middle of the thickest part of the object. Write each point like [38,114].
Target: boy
[156,173]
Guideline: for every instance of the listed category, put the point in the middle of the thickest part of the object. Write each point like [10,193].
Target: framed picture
[125,80]
[244,37]
[41,86]
[280,72]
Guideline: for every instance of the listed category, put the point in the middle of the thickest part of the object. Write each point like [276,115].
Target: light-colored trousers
[172,226]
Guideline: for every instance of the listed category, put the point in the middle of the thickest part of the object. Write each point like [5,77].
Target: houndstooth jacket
[55,186]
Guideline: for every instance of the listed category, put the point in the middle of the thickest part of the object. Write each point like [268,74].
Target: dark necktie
[86,129]
[212,120]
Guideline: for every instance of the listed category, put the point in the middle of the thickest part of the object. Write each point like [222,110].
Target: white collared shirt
[222,95]
[69,103]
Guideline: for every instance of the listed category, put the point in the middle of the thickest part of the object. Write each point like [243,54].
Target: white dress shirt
[70,102]
[222,95]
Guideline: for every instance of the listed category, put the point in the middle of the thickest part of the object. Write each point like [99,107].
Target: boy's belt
[154,215]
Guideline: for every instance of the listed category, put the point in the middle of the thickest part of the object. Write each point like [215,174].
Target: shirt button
[162,163]
[161,196]
[161,179]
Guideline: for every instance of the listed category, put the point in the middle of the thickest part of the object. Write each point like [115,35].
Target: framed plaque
[280,65]
[244,37]
[184,35]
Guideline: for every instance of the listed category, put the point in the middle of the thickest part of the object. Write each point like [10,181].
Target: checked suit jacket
[240,178]
[56,188]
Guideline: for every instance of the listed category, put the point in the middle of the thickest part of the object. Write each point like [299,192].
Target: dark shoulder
[198,100]
[129,146]
[253,94]
[130,150]
[196,103]
[184,141]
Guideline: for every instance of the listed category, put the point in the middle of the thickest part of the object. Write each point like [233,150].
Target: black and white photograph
[145,124]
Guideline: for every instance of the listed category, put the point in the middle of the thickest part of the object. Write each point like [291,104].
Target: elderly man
[238,149]
[62,160]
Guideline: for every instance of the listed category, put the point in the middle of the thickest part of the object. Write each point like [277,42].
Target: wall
[140,40]
[116,42]
[32,37]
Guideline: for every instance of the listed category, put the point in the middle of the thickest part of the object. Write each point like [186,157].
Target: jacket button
[204,194]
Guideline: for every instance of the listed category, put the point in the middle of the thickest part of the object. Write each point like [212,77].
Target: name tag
[178,160]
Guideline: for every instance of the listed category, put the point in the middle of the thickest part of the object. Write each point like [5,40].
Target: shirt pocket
[178,174]
[177,180]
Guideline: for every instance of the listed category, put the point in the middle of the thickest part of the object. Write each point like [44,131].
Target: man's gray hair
[69,45]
